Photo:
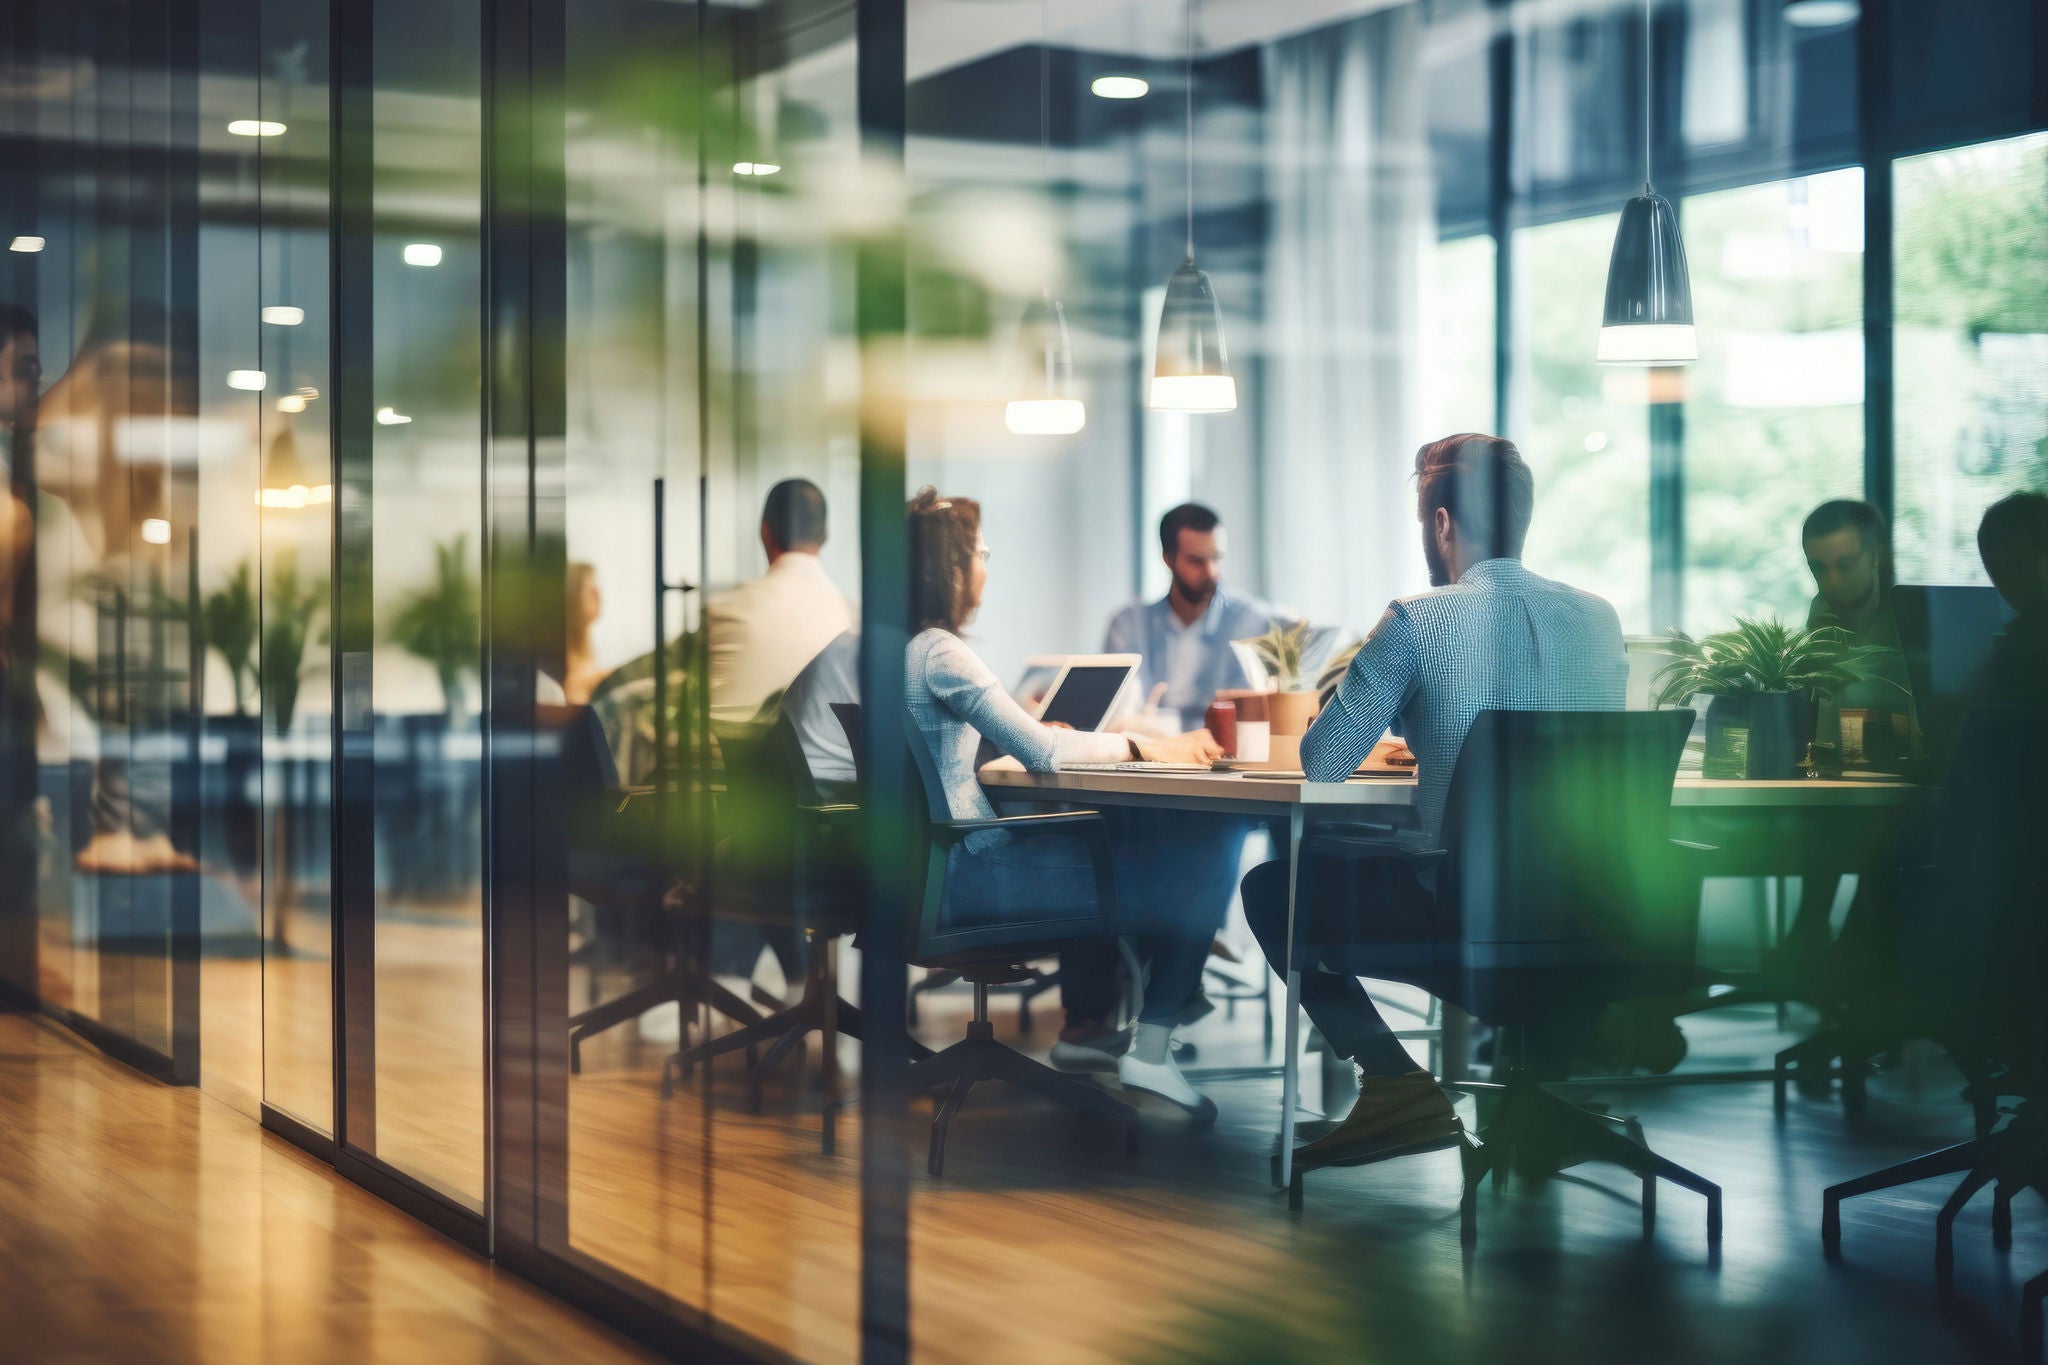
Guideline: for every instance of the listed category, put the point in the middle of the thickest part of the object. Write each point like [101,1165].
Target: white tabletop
[1243,791]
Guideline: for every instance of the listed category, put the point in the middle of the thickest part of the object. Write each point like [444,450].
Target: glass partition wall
[465,428]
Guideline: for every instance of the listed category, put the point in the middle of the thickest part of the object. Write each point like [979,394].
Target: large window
[1773,410]
[1971,287]
[1585,429]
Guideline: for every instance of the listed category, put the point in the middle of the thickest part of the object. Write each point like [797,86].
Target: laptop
[1947,635]
[1076,690]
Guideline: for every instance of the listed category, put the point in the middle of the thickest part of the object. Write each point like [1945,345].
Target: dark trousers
[1349,912]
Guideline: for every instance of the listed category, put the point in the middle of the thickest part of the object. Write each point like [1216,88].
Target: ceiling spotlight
[422,253]
[1822,13]
[250,127]
[27,246]
[291,402]
[391,417]
[284,315]
[251,380]
[156,530]
[755,168]
[1119,87]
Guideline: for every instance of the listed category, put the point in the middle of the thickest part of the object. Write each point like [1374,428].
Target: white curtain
[1352,203]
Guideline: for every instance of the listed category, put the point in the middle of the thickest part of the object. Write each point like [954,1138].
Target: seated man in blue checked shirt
[1489,636]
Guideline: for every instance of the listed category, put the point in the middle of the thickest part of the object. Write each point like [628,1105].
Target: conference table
[1292,803]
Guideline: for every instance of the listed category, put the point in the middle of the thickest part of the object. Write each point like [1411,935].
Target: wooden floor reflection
[145,1222]
[1044,1242]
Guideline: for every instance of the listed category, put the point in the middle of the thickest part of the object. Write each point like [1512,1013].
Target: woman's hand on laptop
[1196,746]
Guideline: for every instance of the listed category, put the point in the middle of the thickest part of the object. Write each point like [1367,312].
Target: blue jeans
[1175,875]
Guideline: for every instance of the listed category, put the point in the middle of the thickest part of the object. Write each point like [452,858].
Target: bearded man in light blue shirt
[1183,639]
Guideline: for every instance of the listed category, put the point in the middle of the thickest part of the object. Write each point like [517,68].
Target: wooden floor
[142,1222]
[1044,1242]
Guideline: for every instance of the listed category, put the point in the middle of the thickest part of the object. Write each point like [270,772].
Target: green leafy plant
[1754,657]
[442,623]
[230,619]
[1284,651]
[1336,667]
[290,606]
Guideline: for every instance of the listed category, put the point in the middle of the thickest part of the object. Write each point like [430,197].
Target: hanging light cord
[1649,30]
[1189,93]
[1045,93]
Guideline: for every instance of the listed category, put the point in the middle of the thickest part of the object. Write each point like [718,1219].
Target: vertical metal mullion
[1500,188]
[351,277]
[882,320]
[1874,144]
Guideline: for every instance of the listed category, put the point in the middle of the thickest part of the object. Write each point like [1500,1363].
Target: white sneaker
[1164,1080]
[1096,1056]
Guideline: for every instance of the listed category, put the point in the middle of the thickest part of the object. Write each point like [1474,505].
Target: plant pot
[1293,712]
[1758,735]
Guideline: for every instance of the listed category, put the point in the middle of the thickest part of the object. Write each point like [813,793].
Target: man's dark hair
[795,514]
[1189,516]
[15,321]
[1840,514]
[1484,483]
[943,532]
[2014,528]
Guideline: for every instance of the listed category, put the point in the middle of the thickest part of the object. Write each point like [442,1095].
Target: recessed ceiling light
[391,417]
[284,315]
[252,380]
[28,246]
[422,253]
[1120,87]
[291,402]
[755,168]
[251,127]
[156,530]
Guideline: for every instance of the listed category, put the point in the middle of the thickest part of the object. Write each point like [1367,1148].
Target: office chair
[1557,867]
[1032,981]
[1974,940]
[612,862]
[990,954]
[793,860]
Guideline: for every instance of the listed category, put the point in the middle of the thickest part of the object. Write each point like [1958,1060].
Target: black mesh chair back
[1560,866]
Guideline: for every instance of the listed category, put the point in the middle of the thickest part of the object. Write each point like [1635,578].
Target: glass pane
[1774,407]
[426,512]
[1583,427]
[296,693]
[1970,263]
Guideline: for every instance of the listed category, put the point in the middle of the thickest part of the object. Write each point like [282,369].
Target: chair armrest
[1358,848]
[1036,819]
[838,808]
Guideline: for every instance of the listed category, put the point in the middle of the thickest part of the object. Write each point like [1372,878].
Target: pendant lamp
[285,487]
[1648,317]
[1822,13]
[1046,404]
[1191,368]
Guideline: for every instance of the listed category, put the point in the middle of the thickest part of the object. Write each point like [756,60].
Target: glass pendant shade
[1045,404]
[284,478]
[1648,318]
[1191,368]
[1822,13]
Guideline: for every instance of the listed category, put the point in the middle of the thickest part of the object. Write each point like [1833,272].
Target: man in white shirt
[764,631]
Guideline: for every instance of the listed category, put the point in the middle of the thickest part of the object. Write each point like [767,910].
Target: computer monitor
[1947,635]
[1084,689]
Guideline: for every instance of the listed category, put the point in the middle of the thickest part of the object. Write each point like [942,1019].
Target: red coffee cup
[1221,722]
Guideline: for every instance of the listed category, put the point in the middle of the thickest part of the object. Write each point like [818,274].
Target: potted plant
[290,606]
[1762,677]
[1289,654]
[231,628]
[442,623]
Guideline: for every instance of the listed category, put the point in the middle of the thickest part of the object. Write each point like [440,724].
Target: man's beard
[1439,571]
[1199,595]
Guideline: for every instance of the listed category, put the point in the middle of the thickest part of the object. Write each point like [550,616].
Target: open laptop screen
[1086,694]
